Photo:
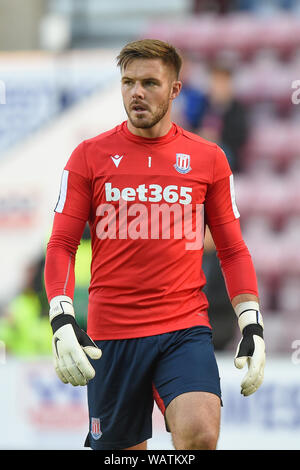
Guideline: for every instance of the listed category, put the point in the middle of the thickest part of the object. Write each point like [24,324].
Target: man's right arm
[71,345]
[71,214]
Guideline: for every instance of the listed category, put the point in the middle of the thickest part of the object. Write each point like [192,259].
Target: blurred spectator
[225,120]
[266,6]
[228,6]
[24,324]
[190,105]
[218,6]
[23,327]
[193,104]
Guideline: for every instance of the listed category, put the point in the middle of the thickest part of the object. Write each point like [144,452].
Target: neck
[158,130]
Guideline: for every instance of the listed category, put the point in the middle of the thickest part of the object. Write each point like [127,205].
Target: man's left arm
[240,279]
[222,217]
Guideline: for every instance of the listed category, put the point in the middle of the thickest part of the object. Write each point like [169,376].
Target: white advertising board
[39,412]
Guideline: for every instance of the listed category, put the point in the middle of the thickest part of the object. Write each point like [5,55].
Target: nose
[137,90]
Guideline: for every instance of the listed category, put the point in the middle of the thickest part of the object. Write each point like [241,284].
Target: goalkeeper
[148,333]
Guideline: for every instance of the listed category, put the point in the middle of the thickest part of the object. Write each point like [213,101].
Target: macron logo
[116,159]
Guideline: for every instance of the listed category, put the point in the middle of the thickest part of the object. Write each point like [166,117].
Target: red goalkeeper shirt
[147,202]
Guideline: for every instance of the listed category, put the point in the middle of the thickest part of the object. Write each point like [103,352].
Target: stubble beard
[142,122]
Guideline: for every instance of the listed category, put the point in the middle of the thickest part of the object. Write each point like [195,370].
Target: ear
[175,89]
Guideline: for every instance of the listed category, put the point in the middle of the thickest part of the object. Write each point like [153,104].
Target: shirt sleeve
[60,255]
[220,204]
[75,188]
[235,259]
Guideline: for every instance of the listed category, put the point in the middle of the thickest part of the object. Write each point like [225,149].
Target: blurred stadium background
[59,85]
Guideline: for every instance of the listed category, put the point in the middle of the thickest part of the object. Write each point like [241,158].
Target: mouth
[138,108]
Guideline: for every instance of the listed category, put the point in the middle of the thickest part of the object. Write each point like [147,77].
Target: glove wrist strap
[248,313]
[61,320]
[253,329]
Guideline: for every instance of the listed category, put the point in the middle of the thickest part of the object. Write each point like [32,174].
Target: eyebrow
[143,79]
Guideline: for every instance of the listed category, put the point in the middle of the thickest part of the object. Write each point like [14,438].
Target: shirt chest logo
[116,159]
[183,163]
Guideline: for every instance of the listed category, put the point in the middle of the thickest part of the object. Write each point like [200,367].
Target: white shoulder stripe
[232,194]
[63,192]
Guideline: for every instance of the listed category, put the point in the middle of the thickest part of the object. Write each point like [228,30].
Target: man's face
[148,87]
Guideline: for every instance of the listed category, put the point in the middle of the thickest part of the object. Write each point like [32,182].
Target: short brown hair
[150,49]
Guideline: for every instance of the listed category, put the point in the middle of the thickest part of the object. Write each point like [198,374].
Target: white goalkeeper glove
[71,345]
[251,348]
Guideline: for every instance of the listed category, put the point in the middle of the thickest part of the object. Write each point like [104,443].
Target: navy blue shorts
[132,373]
